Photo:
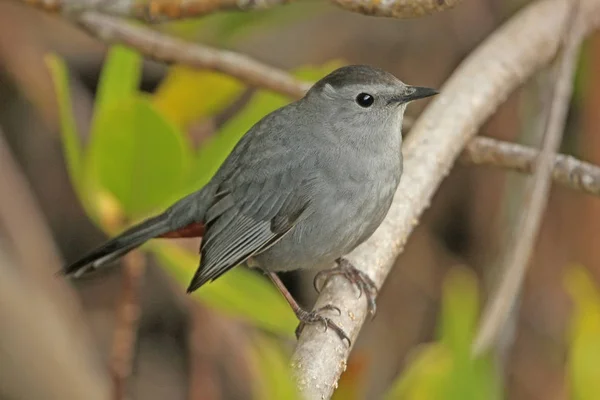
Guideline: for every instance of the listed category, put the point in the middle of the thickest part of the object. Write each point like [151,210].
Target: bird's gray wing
[245,221]
[258,201]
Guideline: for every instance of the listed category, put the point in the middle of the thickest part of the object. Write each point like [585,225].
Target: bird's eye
[364,100]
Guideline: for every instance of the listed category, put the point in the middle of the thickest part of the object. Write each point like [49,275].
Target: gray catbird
[304,186]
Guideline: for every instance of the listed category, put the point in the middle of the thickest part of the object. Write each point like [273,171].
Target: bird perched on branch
[303,187]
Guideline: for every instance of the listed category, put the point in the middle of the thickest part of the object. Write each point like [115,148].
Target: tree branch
[168,10]
[516,258]
[90,15]
[171,50]
[401,9]
[567,170]
[161,47]
[504,61]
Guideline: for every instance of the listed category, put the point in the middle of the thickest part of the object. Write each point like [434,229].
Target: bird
[307,184]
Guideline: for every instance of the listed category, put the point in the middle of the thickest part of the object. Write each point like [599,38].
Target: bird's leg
[357,277]
[308,317]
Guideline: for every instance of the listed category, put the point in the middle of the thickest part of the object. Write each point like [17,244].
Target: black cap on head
[356,74]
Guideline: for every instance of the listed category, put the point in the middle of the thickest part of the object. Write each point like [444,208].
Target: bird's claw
[362,281]
[315,317]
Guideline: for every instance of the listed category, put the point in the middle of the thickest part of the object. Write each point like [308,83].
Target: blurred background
[232,339]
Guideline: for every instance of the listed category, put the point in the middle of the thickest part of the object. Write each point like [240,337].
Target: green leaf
[137,156]
[460,308]
[214,151]
[446,369]
[426,377]
[187,95]
[275,375]
[70,137]
[119,80]
[471,378]
[584,335]
[239,292]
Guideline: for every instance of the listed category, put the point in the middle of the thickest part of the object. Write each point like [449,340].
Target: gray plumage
[303,187]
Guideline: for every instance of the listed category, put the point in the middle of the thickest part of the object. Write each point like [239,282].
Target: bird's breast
[348,201]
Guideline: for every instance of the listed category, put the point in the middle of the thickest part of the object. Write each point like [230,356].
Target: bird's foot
[357,277]
[315,317]
[306,317]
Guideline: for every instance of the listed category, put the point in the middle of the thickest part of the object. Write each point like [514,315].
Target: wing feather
[233,244]
[232,236]
[263,193]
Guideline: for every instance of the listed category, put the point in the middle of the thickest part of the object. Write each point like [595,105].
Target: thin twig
[163,48]
[127,321]
[567,170]
[503,62]
[153,10]
[90,14]
[168,10]
[536,196]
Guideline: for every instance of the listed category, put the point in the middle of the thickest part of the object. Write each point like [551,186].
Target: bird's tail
[182,219]
[120,245]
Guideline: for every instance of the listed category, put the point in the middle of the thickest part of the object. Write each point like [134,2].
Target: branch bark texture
[567,170]
[167,10]
[480,84]
[402,9]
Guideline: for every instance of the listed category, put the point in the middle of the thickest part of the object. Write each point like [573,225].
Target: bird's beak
[417,92]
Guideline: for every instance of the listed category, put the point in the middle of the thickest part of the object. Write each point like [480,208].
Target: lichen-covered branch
[484,79]
[567,170]
[402,9]
[167,10]
[153,10]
